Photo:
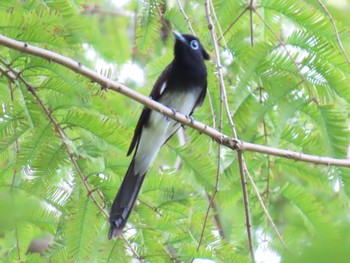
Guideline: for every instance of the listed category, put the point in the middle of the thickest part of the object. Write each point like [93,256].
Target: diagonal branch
[63,137]
[185,17]
[335,30]
[60,133]
[234,22]
[225,140]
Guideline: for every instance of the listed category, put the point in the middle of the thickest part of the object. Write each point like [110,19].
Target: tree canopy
[278,76]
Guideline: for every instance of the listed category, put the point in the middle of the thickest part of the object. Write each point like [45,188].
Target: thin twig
[186,17]
[58,129]
[267,191]
[64,138]
[14,216]
[234,22]
[213,117]
[251,22]
[218,25]
[218,170]
[223,98]
[265,209]
[132,249]
[313,98]
[335,30]
[13,183]
[155,209]
[216,189]
[241,165]
[156,106]
[170,251]
[251,147]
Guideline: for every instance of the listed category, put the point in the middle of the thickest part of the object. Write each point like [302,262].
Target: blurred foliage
[288,89]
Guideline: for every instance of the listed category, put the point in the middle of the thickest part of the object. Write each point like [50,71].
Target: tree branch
[156,106]
[185,17]
[223,100]
[60,132]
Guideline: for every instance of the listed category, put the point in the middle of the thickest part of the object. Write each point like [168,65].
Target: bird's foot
[191,119]
[174,113]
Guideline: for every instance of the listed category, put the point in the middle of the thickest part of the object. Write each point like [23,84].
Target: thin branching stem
[13,182]
[185,17]
[211,200]
[216,187]
[133,251]
[313,98]
[233,22]
[243,181]
[59,130]
[171,253]
[223,100]
[335,30]
[251,22]
[267,191]
[246,172]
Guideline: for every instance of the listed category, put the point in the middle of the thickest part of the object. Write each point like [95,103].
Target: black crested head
[188,50]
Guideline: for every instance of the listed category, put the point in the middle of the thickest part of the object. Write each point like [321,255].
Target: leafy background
[287,86]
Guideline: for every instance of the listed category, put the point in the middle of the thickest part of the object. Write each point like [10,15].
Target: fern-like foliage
[63,139]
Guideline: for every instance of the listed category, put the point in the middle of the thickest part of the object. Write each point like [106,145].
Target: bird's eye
[194,44]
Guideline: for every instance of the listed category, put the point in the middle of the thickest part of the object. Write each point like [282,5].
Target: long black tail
[124,201]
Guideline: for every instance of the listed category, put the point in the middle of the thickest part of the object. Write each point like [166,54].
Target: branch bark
[151,104]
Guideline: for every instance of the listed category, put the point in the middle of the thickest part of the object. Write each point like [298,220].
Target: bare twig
[170,251]
[155,209]
[246,203]
[186,17]
[218,25]
[156,106]
[241,160]
[223,99]
[59,131]
[251,7]
[313,98]
[246,146]
[211,202]
[13,181]
[132,249]
[335,30]
[234,22]
[218,170]
[265,209]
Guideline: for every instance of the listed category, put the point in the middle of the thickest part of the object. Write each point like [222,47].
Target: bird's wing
[155,95]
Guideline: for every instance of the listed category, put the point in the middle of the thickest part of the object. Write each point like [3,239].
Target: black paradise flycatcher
[182,86]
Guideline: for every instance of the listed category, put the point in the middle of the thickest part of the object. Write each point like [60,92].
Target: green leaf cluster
[287,86]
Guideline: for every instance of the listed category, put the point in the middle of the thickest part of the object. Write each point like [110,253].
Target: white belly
[160,127]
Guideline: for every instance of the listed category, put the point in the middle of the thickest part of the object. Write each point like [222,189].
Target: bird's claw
[191,119]
[173,110]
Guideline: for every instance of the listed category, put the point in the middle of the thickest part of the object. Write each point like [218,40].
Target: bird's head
[188,47]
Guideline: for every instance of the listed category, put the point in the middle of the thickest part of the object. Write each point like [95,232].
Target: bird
[182,86]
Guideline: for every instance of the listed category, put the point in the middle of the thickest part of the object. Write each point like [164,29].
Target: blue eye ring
[194,44]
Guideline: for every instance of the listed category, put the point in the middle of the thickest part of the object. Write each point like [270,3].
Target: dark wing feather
[143,120]
[200,99]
